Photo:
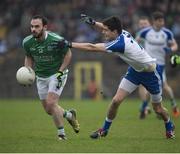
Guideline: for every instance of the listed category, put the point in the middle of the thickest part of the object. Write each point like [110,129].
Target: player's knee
[49,107]
[116,101]
[157,109]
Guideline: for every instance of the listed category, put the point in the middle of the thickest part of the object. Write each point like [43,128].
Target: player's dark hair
[144,18]
[113,23]
[157,15]
[44,19]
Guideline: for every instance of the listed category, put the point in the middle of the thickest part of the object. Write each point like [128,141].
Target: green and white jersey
[47,59]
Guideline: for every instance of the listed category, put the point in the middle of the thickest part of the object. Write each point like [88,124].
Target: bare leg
[111,114]
[145,97]
[51,107]
[159,109]
[116,101]
[169,91]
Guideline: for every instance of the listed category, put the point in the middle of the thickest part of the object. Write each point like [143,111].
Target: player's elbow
[99,47]
[174,46]
[92,47]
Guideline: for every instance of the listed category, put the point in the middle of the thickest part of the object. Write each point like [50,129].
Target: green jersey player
[50,64]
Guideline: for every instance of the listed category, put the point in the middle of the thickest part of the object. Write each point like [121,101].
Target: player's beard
[38,35]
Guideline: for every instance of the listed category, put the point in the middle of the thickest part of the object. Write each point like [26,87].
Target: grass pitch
[25,127]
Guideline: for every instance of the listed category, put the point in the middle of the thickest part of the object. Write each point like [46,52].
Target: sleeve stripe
[108,45]
[26,39]
[55,35]
[168,33]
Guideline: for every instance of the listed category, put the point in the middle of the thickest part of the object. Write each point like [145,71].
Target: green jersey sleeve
[58,38]
[25,45]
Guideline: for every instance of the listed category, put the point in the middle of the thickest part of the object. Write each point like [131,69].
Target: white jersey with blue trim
[156,41]
[130,51]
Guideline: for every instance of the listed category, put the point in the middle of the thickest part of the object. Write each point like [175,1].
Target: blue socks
[143,106]
[169,125]
[107,124]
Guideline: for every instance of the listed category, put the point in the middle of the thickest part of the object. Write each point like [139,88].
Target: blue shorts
[150,80]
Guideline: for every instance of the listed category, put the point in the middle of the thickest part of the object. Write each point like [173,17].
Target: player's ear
[115,32]
[45,27]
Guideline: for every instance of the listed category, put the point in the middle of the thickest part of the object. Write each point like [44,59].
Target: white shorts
[46,85]
[164,76]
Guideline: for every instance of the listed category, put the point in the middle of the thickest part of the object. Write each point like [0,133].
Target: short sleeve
[117,45]
[142,33]
[25,47]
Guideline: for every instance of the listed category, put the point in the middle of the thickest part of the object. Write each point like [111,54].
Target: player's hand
[167,50]
[60,44]
[59,75]
[87,19]
[173,60]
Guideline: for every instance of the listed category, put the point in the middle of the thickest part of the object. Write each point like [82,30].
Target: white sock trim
[108,120]
[61,131]
[68,115]
[167,120]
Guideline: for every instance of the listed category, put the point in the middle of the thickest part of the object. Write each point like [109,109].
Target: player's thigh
[142,89]
[142,92]
[52,98]
[126,87]
[120,95]
[42,87]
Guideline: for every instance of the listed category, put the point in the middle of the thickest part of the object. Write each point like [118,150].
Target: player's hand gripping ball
[25,76]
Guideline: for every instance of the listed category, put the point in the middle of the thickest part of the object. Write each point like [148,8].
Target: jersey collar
[46,35]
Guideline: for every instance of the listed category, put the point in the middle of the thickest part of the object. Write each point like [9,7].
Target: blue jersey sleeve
[142,33]
[117,45]
[169,34]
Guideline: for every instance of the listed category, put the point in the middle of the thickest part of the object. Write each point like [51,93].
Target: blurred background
[91,75]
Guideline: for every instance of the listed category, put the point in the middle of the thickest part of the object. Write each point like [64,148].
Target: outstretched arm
[99,47]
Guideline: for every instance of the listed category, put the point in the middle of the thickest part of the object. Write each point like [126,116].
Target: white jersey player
[157,42]
[130,51]
[142,69]
[160,41]
[143,94]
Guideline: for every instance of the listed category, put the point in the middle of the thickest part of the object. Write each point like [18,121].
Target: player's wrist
[59,73]
[69,44]
[93,22]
